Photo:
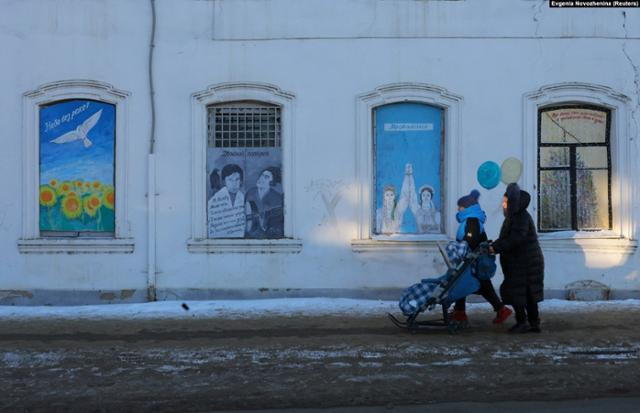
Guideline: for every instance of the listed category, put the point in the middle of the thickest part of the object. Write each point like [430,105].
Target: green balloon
[511,170]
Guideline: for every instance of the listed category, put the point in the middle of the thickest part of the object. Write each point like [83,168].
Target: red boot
[459,315]
[458,320]
[502,314]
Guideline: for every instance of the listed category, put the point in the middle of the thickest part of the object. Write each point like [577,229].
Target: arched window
[409,144]
[75,169]
[245,198]
[243,170]
[574,168]
[579,159]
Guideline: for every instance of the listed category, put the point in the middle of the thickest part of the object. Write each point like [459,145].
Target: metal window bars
[244,126]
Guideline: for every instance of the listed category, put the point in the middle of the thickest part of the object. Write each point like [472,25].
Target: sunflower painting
[77,154]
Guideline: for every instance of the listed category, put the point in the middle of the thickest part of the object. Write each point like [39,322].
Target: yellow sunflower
[109,197]
[71,206]
[47,196]
[96,185]
[89,209]
[64,188]
[94,201]
[53,183]
[78,186]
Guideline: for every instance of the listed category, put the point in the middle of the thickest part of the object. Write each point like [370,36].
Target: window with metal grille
[574,168]
[244,125]
[245,198]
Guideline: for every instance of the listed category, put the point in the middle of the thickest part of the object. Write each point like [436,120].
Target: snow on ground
[281,307]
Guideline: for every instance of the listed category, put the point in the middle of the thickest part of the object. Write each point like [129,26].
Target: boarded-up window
[408,142]
[77,158]
[574,168]
[244,164]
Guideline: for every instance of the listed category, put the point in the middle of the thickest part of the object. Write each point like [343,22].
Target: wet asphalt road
[317,362]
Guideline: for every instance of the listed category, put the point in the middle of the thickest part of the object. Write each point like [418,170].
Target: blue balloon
[489,175]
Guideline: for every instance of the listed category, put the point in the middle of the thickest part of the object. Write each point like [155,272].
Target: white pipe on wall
[151,233]
[151,173]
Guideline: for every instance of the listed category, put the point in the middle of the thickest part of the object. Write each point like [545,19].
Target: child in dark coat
[471,229]
[521,260]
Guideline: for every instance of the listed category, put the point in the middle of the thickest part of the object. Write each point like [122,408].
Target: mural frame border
[622,152]
[366,103]
[231,92]
[31,241]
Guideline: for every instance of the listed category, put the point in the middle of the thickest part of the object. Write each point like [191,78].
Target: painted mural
[408,169]
[77,150]
[245,196]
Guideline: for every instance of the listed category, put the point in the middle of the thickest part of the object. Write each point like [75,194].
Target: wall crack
[537,10]
[636,75]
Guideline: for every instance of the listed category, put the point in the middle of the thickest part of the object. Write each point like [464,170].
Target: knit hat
[468,200]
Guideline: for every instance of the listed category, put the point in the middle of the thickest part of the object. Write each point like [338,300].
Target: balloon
[489,175]
[511,170]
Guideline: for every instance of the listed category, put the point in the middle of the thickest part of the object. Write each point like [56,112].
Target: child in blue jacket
[471,229]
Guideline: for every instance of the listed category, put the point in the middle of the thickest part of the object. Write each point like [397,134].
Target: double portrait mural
[244,167]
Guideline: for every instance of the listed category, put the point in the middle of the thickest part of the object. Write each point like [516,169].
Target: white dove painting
[77,157]
[80,133]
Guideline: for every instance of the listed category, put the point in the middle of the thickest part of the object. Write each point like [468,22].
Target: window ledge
[244,246]
[76,246]
[578,243]
[389,244]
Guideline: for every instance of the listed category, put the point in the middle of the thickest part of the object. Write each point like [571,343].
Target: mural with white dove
[77,155]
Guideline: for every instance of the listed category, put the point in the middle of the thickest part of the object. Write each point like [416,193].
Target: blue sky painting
[90,159]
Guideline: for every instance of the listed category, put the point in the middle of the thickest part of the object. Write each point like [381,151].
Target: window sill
[244,246]
[76,246]
[603,242]
[398,244]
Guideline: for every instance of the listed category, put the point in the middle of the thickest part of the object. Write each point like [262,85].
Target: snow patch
[457,362]
[409,364]
[371,364]
[339,364]
[46,359]
[280,307]
[375,377]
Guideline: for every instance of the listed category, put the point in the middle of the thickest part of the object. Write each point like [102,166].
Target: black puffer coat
[520,254]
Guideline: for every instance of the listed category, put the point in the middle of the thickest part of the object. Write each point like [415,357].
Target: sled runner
[465,269]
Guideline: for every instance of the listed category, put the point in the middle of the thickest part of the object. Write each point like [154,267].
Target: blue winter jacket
[474,211]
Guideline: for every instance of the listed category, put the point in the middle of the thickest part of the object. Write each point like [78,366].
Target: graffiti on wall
[330,192]
[245,197]
[408,169]
[77,152]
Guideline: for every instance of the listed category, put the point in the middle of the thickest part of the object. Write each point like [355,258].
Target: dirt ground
[279,362]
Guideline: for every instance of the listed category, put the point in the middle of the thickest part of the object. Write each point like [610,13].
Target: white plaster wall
[48,41]
[325,52]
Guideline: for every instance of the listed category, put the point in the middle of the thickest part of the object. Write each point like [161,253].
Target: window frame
[31,240]
[366,240]
[237,92]
[443,189]
[623,235]
[572,168]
